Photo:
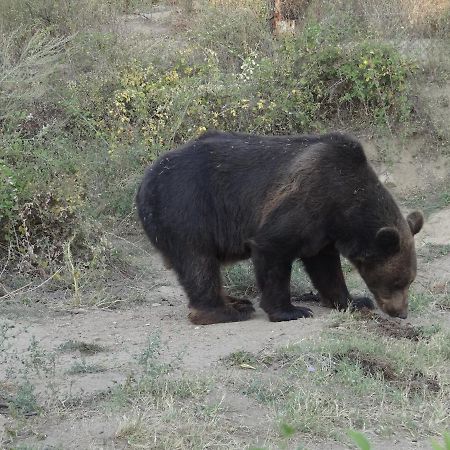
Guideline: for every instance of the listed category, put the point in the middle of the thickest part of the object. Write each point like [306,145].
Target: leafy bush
[170,107]
[305,84]
[45,140]
[8,197]
[367,79]
[44,205]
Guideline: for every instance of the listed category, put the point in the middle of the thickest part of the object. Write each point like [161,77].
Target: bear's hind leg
[325,272]
[274,276]
[200,277]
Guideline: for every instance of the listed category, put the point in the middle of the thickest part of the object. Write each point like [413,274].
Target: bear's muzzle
[396,305]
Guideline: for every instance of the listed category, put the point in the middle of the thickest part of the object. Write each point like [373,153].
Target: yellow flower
[172,76]
[201,129]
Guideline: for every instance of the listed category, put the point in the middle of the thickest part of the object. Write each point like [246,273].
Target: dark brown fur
[226,197]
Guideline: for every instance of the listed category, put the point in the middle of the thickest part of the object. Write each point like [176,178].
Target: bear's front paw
[296,312]
[359,303]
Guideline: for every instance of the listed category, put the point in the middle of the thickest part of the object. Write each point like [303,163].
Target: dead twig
[16,291]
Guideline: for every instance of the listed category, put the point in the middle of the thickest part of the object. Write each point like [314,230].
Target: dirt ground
[151,302]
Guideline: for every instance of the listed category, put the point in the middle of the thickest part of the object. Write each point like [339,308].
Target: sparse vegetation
[419,301]
[24,403]
[241,359]
[430,200]
[85,348]
[83,367]
[326,386]
[432,251]
[240,280]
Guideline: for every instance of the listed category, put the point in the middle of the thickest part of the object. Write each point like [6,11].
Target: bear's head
[391,267]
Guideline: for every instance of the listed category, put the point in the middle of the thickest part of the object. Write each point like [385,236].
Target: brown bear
[226,197]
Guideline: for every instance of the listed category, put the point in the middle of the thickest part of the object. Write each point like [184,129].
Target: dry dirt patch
[436,229]
[387,326]
[393,328]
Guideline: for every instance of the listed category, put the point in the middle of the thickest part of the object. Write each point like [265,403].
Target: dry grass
[424,14]
[398,18]
[411,16]
[27,63]
[177,426]
[353,378]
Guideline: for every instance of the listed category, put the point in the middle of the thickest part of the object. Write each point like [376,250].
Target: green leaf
[436,445]
[446,446]
[359,439]
[287,430]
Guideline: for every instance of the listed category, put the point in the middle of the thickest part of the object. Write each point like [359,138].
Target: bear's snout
[400,314]
[396,305]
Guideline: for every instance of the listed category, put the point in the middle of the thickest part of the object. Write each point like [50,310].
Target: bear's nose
[401,314]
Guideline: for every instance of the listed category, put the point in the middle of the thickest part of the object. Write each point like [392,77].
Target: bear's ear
[387,240]
[415,221]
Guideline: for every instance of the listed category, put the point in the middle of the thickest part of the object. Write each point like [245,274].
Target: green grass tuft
[85,348]
[82,367]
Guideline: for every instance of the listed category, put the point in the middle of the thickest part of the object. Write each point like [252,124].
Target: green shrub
[8,197]
[43,204]
[367,80]
[297,90]
[25,402]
